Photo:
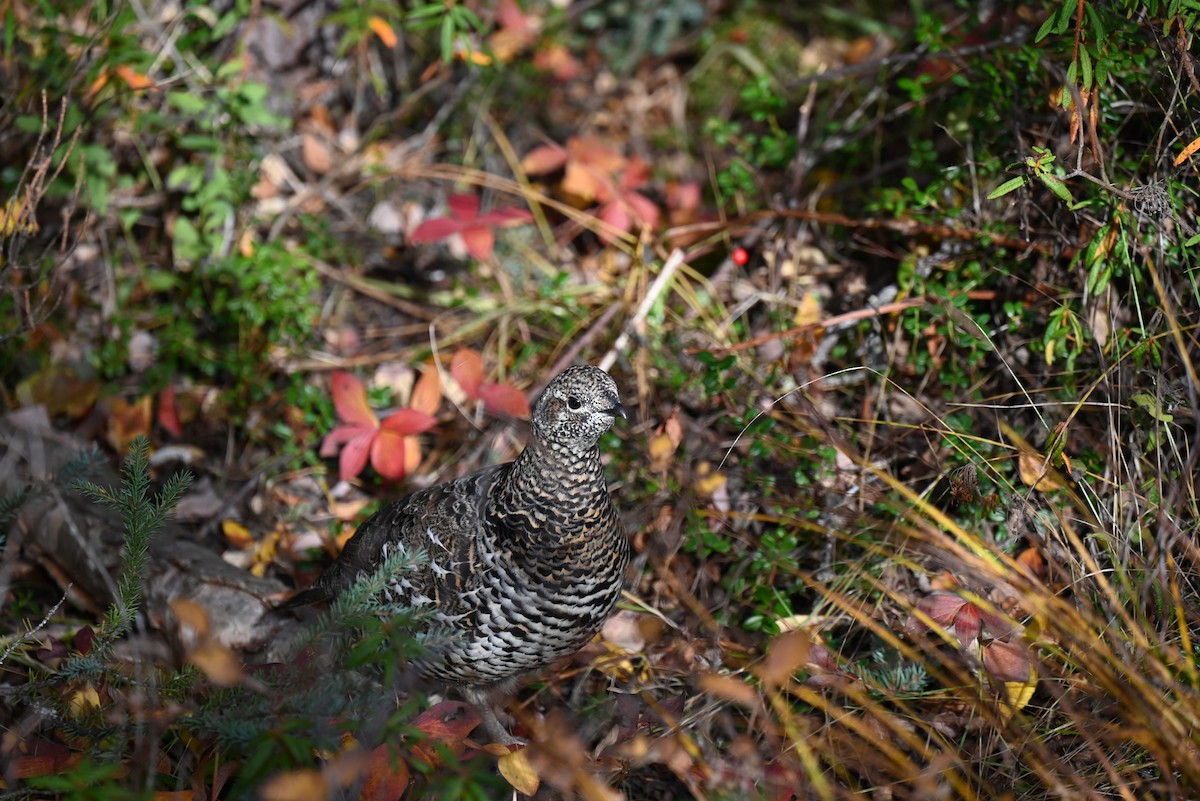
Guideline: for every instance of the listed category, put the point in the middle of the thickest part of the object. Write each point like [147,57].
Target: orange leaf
[394,455]
[1187,152]
[350,400]
[504,399]
[384,31]
[386,780]
[128,421]
[315,153]
[427,394]
[467,369]
[133,78]
[479,240]
[298,785]
[582,182]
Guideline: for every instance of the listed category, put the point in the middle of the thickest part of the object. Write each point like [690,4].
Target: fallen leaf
[785,654]
[467,369]
[517,770]
[193,615]
[504,399]
[128,421]
[217,662]
[730,689]
[380,28]
[386,779]
[1036,473]
[298,785]
[236,534]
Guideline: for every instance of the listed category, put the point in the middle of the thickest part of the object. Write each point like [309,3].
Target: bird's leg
[495,730]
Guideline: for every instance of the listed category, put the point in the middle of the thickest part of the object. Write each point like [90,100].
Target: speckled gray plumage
[524,560]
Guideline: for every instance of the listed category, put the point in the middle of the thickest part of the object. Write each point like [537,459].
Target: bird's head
[577,407]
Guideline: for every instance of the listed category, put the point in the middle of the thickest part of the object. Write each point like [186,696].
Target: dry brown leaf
[387,779]
[1036,473]
[730,689]
[128,421]
[316,153]
[785,654]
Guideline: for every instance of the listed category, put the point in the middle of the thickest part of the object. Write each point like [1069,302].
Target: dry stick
[365,288]
[668,272]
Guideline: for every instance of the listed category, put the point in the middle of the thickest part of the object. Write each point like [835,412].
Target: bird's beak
[618,410]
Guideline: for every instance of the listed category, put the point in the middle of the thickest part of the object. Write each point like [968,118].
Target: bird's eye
[573,403]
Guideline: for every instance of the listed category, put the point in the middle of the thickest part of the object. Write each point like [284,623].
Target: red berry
[740,257]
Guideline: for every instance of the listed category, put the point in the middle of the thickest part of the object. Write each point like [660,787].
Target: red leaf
[355,453]
[435,229]
[394,455]
[479,241]
[644,209]
[168,414]
[504,399]
[464,207]
[449,721]
[408,421]
[350,400]
[84,639]
[339,436]
[542,160]
[967,623]
[942,607]
[467,369]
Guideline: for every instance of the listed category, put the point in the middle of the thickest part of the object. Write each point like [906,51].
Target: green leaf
[1006,187]
[187,102]
[1085,67]
[1056,185]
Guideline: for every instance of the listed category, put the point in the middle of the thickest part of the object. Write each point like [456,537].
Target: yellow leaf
[1036,473]
[217,662]
[1017,695]
[237,535]
[518,770]
[192,615]
[709,481]
[14,219]
[84,699]
[809,310]
[299,785]
[384,31]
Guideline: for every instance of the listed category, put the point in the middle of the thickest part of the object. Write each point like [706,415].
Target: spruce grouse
[524,561]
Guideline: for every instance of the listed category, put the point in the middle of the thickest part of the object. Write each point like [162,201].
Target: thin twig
[656,289]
